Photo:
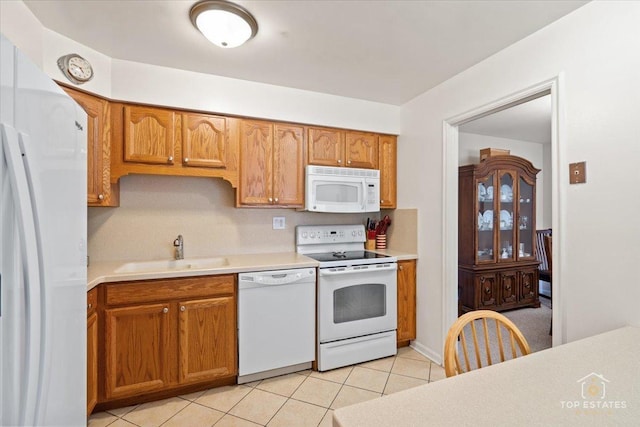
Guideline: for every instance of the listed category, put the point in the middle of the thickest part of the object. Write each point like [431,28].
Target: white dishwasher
[276,322]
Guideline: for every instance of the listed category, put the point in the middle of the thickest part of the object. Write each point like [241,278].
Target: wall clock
[75,68]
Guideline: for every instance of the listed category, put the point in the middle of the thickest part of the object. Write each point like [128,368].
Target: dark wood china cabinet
[497,266]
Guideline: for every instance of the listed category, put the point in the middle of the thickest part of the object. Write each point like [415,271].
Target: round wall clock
[75,68]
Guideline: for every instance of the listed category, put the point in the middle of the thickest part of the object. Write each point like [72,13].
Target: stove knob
[304,234]
[312,235]
[353,233]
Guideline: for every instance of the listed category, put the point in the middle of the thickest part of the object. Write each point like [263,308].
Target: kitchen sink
[171,265]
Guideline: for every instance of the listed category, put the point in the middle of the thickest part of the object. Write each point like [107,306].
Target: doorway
[523,130]
[451,149]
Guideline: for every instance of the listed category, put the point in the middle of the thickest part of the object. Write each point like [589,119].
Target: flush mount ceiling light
[223,23]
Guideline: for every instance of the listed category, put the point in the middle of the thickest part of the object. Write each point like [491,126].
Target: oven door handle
[351,270]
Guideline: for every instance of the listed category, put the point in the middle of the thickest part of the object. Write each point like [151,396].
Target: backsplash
[155,209]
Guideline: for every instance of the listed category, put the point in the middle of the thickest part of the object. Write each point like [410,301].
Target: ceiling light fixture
[223,23]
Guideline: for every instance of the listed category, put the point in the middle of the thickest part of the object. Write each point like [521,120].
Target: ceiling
[530,121]
[377,50]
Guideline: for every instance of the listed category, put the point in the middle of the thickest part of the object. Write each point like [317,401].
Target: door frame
[555,88]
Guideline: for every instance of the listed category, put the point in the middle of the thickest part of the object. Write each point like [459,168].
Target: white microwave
[342,190]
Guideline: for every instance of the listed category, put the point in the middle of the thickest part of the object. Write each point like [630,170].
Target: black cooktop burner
[348,255]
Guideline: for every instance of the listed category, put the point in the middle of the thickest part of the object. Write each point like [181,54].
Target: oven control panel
[319,234]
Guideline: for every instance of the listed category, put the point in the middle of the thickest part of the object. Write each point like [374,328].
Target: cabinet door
[256,161]
[361,150]
[528,285]
[387,160]
[505,213]
[98,145]
[406,301]
[207,340]
[150,135]
[204,140]
[526,218]
[288,165]
[486,290]
[508,287]
[325,147]
[92,361]
[484,220]
[139,349]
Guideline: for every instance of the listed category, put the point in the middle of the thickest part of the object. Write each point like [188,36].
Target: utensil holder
[371,244]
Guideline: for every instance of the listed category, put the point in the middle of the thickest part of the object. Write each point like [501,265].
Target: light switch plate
[578,173]
[278,223]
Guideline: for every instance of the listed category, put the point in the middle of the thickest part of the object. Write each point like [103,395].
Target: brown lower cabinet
[406,302]
[168,336]
[92,349]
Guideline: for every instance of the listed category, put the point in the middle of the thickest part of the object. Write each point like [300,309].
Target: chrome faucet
[179,245]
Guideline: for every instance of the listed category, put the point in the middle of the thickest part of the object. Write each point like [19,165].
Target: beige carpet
[534,324]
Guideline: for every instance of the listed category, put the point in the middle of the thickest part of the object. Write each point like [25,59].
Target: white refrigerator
[43,256]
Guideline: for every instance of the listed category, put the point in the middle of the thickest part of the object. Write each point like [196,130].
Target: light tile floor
[301,399]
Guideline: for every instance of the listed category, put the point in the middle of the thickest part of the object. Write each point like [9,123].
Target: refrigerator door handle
[31,272]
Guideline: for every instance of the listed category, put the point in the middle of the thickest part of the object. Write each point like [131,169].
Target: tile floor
[301,399]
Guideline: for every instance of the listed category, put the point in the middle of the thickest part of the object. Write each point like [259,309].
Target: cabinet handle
[165,310]
[401,267]
[508,287]
[89,306]
[270,200]
[348,162]
[100,196]
[339,161]
[182,308]
[487,290]
[381,201]
[186,160]
[170,159]
[275,200]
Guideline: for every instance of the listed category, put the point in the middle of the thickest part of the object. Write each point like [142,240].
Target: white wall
[22,28]
[132,81]
[470,145]
[596,47]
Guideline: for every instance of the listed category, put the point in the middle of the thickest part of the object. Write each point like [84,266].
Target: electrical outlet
[278,223]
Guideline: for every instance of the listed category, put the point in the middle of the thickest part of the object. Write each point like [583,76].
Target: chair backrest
[541,253]
[549,251]
[463,336]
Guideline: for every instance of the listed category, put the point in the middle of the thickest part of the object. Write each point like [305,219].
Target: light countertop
[106,272]
[590,382]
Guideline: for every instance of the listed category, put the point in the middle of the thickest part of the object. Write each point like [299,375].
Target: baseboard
[427,352]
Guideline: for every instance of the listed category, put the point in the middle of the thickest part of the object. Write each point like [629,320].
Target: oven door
[356,301]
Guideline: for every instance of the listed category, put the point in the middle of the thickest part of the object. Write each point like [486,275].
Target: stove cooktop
[328,259]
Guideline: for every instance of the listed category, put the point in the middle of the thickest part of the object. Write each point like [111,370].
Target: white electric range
[357,293]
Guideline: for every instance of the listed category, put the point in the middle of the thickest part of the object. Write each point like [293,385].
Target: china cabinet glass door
[485,212]
[505,215]
[525,219]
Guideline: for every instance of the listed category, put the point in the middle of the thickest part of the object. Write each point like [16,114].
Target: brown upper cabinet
[332,147]
[271,164]
[100,192]
[388,171]
[160,141]
[204,141]
[150,135]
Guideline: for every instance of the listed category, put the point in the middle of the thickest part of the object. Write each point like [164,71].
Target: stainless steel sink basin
[172,265]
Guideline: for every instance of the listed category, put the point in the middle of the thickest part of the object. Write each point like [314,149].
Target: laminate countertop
[121,271]
[590,382]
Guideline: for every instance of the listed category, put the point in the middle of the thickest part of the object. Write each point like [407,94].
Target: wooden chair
[542,256]
[465,329]
[549,252]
